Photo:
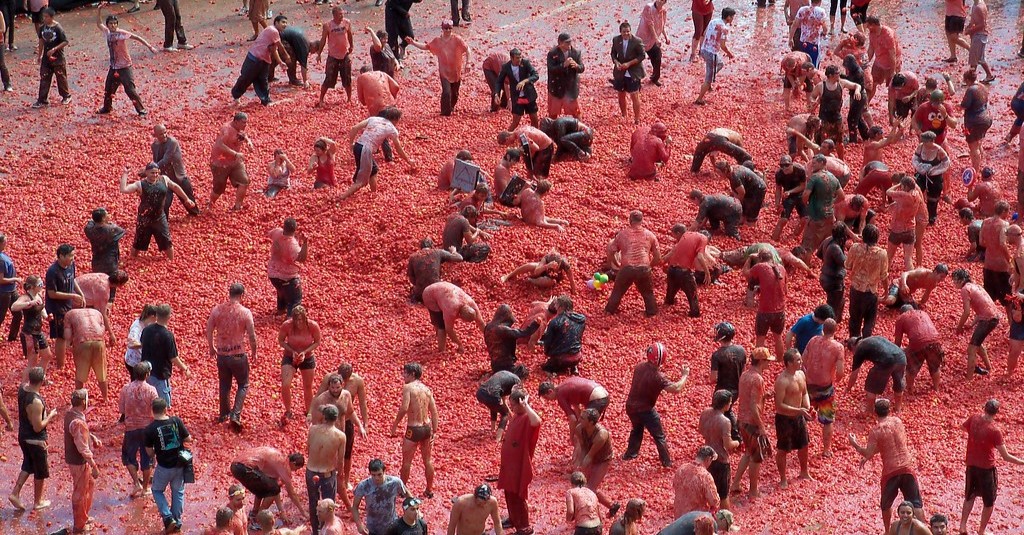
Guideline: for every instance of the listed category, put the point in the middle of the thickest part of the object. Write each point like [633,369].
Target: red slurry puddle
[58,164]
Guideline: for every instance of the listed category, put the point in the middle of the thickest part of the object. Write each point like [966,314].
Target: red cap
[656,353]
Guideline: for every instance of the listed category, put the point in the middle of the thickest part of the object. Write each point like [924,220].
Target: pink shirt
[890,438]
[980,301]
[117,43]
[904,210]
[85,324]
[451,56]
[230,322]
[376,91]
[886,47]
[646,151]
[956,8]
[584,505]
[652,25]
[820,358]
[751,388]
[96,288]
[337,38]
[136,403]
[284,250]
[231,138]
[694,490]
[261,46]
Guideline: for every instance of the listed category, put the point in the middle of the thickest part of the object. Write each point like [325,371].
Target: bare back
[416,399]
[326,448]
[469,517]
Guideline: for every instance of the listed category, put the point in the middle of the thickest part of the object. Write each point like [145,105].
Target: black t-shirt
[401,527]
[59,279]
[159,349]
[166,438]
[720,207]
[880,351]
[793,179]
[296,39]
[729,362]
[500,384]
[454,231]
[52,36]
[742,176]
[106,254]
[424,266]
[833,258]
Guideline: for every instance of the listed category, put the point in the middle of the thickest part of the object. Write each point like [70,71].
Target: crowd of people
[839,228]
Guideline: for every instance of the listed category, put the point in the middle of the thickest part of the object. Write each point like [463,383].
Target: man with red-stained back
[984,439]
[648,149]
[376,90]
[634,249]
[227,328]
[681,261]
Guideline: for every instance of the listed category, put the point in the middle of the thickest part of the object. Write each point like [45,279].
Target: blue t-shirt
[380,502]
[803,330]
[8,273]
[684,525]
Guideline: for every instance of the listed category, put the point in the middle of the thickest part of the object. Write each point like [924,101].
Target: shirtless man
[724,140]
[375,90]
[884,48]
[796,69]
[262,471]
[420,414]
[227,161]
[341,398]
[470,512]
[792,410]
[536,144]
[356,386]
[824,364]
[446,303]
[573,396]
[984,195]
[326,449]
[876,142]
[806,125]
[902,290]
[750,414]
[330,524]
[593,454]
[906,204]
[531,205]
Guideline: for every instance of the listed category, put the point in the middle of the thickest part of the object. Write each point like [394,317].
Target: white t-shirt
[377,130]
[812,23]
[134,355]
[716,34]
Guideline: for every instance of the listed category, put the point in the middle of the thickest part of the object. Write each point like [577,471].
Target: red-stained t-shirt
[337,38]
[261,46]
[981,303]
[635,245]
[751,388]
[646,151]
[646,387]
[136,403]
[694,490]
[117,44]
[890,438]
[573,392]
[904,210]
[956,8]
[983,437]
[96,288]
[771,278]
[933,118]
[517,447]
[494,61]
[917,326]
[284,250]
[230,322]
[909,88]
[685,253]
[232,138]
[451,56]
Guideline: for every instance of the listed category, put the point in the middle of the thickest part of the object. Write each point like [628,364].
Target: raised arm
[125,187]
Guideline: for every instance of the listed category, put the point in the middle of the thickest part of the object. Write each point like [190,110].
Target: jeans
[121,78]
[324,487]
[162,477]
[863,310]
[651,421]
[8,8]
[654,54]
[628,276]
[714,143]
[497,90]
[255,73]
[289,293]
[855,122]
[172,22]
[6,300]
[5,75]
[232,367]
[455,11]
[186,186]
[682,279]
[163,388]
[449,96]
[834,294]
[47,70]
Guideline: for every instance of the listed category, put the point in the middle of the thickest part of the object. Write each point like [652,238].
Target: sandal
[134,9]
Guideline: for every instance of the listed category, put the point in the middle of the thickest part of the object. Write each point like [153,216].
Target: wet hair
[320,144]
[345,370]
[47,11]
[898,80]
[470,212]
[678,228]
[728,12]
[543,186]
[414,369]
[696,195]
[464,155]
[813,122]
[634,511]
[163,311]
[78,397]
[265,519]
[870,235]
[799,250]
[280,18]
[721,399]
[905,503]
[515,53]
[110,18]
[875,131]
[882,407]
[36,376]
[970,76]
[857,201]
[590,415]
[907,183]
[330,413]
[790,355]
[829,144]
[961,275]
[240,116]
[872,21]
[236,289]
[224,516]
[64,249]
[364,69]
[160,406]
[824,312]
[504,136]
[297,460]
[942,269]
[31,282]
[831,70]
[98,214]
[503,315]
[966,213]
[938,519]
[517,395]
[819,159]
[624,26]
[1002,207]
[577,479]
[375,465]
[705,453]
[564,302]
[334,378]
[513,154]
[839,233]
[636,216]
[141,370]
[992,407]
[906,308]
[426,243]
[928,136]
[391,113]
[545,387]
[521,371]
[828,326]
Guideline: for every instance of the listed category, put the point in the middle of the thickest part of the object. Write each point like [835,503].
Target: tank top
[151,202]
[33,320]
[25,430]
[831,110]
[71,454]
[324,172]
[604,454]
[282,180]
[584,503]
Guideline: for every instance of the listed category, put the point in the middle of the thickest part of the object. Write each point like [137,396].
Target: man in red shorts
[924,345]
[574,395]
[751,420]
[824,364]
[769,279]
[227,161]
[889,440]
[984,438]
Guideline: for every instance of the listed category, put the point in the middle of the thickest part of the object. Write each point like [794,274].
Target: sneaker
[36,105]
[614,509]
[379,3]
[66,100]
[8,88]
[185,47]
[103,111]
[170,49]
[270,14]
[980,371]
[142,112]
[466,17]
